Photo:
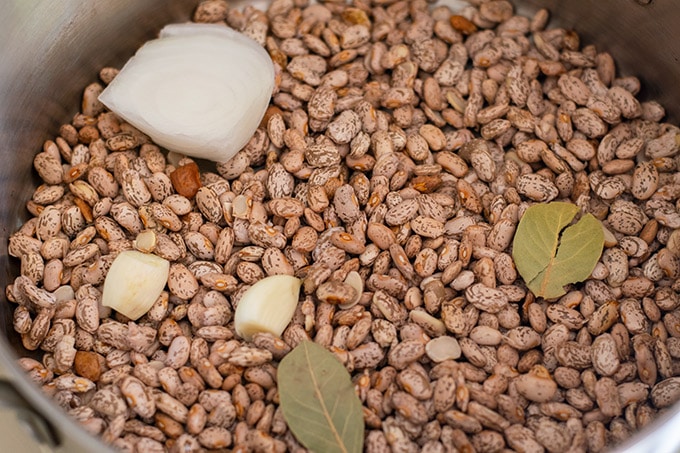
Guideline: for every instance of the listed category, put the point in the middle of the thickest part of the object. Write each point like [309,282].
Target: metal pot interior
[50,50]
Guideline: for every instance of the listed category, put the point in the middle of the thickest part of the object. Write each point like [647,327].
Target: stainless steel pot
[50,50]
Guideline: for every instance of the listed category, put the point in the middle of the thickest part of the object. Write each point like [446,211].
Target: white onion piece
[199,90]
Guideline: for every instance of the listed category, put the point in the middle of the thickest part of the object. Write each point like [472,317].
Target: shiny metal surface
[49,50]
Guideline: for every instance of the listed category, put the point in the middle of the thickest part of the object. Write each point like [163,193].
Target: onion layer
[199,90]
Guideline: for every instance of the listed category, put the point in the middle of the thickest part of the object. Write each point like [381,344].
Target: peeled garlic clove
[134,282]
[267,306]
[199,90]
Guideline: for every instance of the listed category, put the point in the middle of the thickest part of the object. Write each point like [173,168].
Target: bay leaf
[318,401]
[550,253]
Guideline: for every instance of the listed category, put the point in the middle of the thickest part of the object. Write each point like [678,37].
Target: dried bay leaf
[318,400]
[550,253]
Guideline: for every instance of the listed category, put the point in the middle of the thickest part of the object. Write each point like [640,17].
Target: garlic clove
[199,89]
[267,306]
[134,282]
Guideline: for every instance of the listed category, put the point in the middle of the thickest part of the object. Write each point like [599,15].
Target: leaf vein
[319,396]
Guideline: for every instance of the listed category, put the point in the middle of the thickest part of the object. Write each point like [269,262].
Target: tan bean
[487,299]
[665,392]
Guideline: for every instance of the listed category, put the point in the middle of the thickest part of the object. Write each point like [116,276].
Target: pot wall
[50,50]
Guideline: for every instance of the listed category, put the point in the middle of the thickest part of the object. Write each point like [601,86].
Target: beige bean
[605,355]
[181,282]
[487,299]
[607,397]
[665,392]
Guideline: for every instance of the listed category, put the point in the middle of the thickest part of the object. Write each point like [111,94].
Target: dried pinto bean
[363,181]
